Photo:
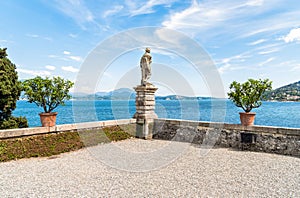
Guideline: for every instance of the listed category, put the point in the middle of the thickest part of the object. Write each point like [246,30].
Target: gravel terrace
[143,168]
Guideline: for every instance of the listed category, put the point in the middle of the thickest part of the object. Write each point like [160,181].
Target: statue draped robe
[145,67]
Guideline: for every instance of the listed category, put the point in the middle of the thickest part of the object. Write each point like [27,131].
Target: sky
[236,40]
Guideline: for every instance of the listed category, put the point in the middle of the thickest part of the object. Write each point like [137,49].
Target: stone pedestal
[145,106]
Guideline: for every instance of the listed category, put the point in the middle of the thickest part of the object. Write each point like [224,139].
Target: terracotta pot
[48,119]
[247,119]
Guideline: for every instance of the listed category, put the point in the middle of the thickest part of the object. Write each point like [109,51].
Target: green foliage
[10,90]
[47,93]
[290,92]
[14,122]
[39,146]
[116,133]
[248,95]
[56,143]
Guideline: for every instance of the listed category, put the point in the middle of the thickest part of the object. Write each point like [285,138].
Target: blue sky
[244,38]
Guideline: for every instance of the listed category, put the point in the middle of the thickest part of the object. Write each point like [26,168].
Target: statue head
[147,50]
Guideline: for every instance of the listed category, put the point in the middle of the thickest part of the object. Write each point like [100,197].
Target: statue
[145,67]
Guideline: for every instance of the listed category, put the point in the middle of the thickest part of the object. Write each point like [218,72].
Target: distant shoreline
[158,98]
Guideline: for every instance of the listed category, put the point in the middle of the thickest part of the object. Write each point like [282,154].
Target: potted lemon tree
[248,95]
[47,93]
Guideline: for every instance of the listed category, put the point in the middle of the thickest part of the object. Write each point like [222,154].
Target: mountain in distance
[178,97]
[127,94]
[289,92]
[101,94]
[118,94]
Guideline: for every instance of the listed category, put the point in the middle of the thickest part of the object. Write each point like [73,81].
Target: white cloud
[232,63]
[224,68]
[257,42]
[4,41]
[268,51]
[67,57]
[75,58]
[272,24]
[34,72]
[73,35]
[75,9]
[148,7]
[168,36]
[228,67]
[113,11]
[38,36]
[236,59]
[52,56]
[107,74]
[164,52]
[269,46]
[296,68]
[255,2]
[217,18]
[293,35]
[208,14]
[33,35]
[50,67]
[266,61]
[196,16]
[232,20]
[70,69]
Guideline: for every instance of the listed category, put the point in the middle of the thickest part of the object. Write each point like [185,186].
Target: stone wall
[253,138]
[14,133]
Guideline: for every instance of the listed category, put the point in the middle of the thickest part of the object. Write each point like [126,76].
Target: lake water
[283,114]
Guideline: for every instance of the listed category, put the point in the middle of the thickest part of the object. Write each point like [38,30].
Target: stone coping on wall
[254,128]
[13,133]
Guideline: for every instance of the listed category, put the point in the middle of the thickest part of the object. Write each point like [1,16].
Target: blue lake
[283,114]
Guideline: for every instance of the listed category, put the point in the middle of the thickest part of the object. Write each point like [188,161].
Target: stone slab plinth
[145,106]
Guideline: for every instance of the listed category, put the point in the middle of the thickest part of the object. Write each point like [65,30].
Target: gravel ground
[143,168]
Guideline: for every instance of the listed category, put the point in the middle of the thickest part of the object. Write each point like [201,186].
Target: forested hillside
[289,92]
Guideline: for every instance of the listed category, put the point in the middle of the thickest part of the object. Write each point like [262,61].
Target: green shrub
[248,94]
[10,90]
[115,133]
[14,122]
[47,93]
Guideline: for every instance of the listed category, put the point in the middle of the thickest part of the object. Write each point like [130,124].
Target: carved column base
[145,106]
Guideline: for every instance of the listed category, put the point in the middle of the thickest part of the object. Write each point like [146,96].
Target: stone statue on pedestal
[145,99]
[145,65]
